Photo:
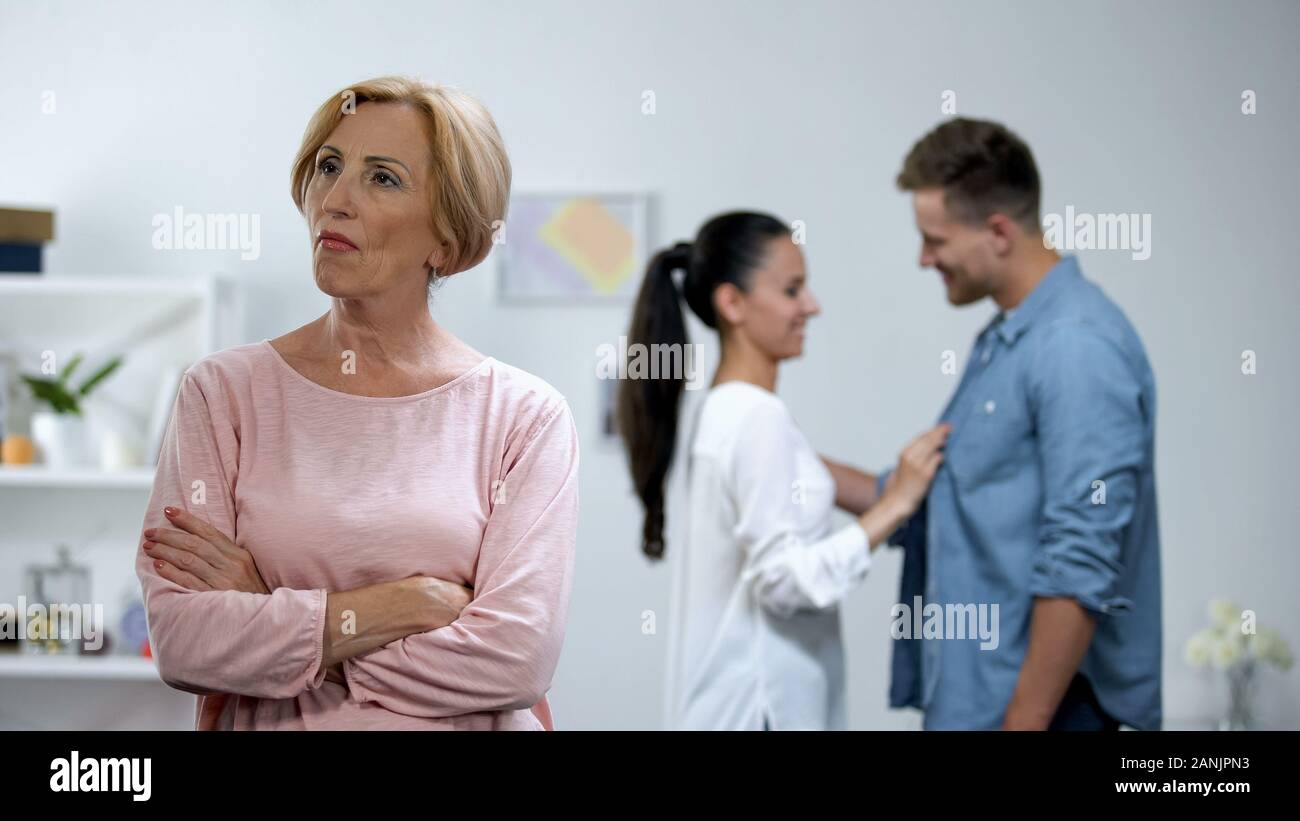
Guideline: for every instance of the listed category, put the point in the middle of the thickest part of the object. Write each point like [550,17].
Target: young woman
[757,639]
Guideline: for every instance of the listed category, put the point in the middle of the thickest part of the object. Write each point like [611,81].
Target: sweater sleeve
[786,574]
[501,652]
[220,641]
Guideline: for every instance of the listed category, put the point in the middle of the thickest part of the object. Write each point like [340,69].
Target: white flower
[1225,652]
[1225,644]
[1283,658]
[1197,650]
[1224,613]
[1271,647]
[1262,643]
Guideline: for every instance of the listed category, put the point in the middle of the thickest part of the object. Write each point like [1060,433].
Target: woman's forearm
[365,618]
[883,518]
[855,490]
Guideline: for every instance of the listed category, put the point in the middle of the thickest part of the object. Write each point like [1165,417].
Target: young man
[1046,502]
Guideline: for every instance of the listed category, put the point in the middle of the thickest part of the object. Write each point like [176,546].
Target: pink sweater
[475,481]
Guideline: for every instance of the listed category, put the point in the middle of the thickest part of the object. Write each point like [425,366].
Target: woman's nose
[338,199]
[813,308]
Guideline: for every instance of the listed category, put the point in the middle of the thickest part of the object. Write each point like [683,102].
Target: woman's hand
[906,486]
[919,461]
[443,600]
[200,557]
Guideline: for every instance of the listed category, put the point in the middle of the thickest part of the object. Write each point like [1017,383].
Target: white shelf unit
[75,667]
[154,323]
[39,476]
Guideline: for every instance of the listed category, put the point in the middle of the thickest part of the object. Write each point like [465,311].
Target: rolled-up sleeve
[211,642]
[1093,437]
[502,651]
[784,573]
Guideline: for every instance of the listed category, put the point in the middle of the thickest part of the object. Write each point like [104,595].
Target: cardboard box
[22,234]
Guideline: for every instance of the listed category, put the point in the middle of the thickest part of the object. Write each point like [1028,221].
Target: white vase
[62,439]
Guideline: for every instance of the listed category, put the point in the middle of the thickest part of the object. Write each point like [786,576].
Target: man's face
[963,254]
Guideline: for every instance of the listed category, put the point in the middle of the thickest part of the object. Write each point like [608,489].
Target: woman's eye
[325,165]
[385,179]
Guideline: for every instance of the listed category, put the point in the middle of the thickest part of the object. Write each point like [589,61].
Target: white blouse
[757,585]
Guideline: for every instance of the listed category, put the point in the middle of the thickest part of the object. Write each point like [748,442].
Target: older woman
[365,523]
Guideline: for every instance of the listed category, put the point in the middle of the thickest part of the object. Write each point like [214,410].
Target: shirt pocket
[993,442]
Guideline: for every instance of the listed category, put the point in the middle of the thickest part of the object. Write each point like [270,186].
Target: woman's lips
[336,245]
[334,241]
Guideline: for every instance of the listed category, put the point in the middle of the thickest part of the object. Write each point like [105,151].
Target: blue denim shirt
[1047,489]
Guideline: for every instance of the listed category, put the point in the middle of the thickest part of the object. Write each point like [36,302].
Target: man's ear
[1005,231]
[729,303]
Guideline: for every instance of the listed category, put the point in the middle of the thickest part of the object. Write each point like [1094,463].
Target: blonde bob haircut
[470,172]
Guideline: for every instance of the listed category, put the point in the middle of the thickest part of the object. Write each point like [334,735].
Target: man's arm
[1059,634]
[1092,437]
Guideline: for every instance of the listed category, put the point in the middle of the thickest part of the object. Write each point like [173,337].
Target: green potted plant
[60,432]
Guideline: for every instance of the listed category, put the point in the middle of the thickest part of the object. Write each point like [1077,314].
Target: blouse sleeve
[220,641]
[501,652]
[784,573]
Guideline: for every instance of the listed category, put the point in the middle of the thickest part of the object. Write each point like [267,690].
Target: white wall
[805,112]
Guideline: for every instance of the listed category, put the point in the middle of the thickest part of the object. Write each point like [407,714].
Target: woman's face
[370,189]
[774,312]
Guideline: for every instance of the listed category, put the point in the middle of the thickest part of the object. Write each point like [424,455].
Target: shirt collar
[1057,279]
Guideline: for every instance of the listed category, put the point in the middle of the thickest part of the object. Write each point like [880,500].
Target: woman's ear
[729,304]
[439,258]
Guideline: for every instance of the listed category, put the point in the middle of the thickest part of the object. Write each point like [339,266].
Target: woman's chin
[795,350]
[332,283]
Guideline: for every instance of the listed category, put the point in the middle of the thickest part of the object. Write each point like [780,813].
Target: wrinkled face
[962,254]
[367,204]
[774,312]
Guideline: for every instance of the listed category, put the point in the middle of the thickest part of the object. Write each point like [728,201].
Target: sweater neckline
[378,400]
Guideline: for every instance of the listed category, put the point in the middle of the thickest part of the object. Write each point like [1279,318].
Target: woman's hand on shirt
[200,557]
[907,485]
[917,464]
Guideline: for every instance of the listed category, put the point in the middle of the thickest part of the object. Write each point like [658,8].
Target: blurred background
[122,120]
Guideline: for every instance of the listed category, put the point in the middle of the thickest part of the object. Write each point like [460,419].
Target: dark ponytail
[727,249]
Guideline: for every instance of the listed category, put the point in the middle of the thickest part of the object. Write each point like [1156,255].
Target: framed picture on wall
[572,248]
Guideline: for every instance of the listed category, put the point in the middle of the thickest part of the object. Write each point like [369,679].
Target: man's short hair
[982,167]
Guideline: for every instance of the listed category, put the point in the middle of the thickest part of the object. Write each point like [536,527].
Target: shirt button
[990,406]
[985,357]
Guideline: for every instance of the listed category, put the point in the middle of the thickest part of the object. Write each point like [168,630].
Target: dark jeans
[1080,710]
